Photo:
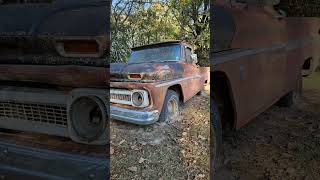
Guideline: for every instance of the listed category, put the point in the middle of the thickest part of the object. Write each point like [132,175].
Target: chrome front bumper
[133,116]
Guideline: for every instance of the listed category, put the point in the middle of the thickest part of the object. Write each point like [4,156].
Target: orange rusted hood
[149,71]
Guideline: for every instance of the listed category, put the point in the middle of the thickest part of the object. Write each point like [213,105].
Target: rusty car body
[54,89]
[154,78]
[257,59]
[48,59]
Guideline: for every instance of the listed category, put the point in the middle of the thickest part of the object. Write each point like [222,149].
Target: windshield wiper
[155,61]
[164,61]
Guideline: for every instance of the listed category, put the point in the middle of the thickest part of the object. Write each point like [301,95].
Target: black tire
[289,99]
[164,112]
[200,93]
[286,100]
[215,139]
[299,86]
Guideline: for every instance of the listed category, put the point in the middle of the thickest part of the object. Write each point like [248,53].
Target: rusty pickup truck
[54,89]
[257,59]
[155,80]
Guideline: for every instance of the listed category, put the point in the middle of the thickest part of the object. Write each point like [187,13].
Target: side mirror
[282,13]
[194,58]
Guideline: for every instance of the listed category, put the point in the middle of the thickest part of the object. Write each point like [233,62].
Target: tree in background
[193,18]
[299,8]
[141,22]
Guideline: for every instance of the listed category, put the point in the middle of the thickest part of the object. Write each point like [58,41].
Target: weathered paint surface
[30,56]
[263,57]
[157,78]
[30,45]
[64,76]
[150,72]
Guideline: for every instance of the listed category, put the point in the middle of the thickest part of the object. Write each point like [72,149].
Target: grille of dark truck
[44,113]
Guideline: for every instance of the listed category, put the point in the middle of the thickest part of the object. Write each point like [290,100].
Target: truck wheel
[289,99]
[215,139]
[286,100]
[299,86]
[200,93]
[170,109]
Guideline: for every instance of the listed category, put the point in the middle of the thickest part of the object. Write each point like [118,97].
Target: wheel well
[222,95]
[178,89]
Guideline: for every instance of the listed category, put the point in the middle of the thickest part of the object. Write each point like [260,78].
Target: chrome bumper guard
[133,116]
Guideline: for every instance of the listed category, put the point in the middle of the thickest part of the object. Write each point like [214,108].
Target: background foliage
[298,8]
[140,22]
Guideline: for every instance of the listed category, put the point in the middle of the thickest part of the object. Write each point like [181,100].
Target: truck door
[191,73]
[275,62]
[261,38]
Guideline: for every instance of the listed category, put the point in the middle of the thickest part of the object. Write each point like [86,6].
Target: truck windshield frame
[156,54]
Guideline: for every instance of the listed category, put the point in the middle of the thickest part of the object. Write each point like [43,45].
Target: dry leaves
[133,169]
[121,142]
[111,150]
[184,133]
[141,160]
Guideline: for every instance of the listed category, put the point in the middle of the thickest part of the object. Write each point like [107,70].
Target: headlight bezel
[145,97]
[130,93]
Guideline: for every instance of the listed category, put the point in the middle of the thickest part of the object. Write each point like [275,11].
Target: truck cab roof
[165,43]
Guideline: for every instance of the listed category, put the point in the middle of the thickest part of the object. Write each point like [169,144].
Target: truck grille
[121,96]
[52,114]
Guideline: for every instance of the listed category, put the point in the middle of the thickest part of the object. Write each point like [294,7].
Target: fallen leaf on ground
[121,142]
[201,175]
[184,133]
[201,137]
[141,160]
[111,150]
[133,169]
[135,148]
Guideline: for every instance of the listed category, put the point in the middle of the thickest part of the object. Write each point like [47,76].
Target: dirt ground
[282,143]
[171,150]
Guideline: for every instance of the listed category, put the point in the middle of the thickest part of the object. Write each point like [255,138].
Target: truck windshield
[156,54]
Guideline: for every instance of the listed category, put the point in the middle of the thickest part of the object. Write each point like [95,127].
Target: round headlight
[88,118]
[137,98]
